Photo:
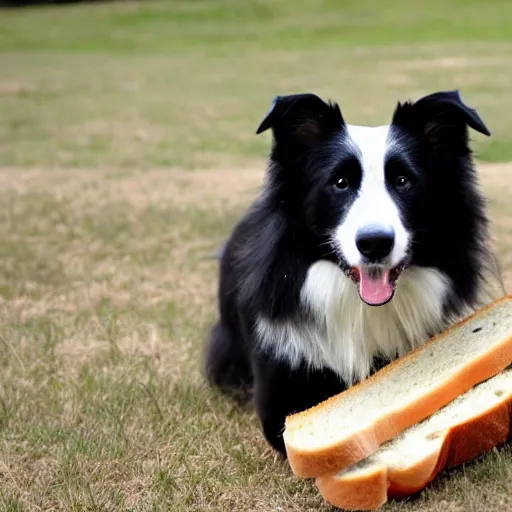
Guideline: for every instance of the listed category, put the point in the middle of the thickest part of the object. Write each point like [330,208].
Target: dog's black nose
[375,242]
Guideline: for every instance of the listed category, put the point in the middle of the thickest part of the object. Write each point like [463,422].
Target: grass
[127,152]
[186,83]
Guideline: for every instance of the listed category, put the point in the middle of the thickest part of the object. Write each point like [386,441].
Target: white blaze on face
[374,207]
[372,211]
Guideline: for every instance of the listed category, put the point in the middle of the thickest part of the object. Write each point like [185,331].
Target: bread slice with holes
[349,427]
[472,424]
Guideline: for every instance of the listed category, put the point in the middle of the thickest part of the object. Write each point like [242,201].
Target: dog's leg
[281,390]
[226,365]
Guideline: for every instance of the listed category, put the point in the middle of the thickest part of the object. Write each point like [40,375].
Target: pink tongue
[375,290]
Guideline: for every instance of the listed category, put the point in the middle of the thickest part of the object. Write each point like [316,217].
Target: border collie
[364,243]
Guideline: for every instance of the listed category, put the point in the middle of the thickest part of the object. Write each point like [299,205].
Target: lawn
[127,152]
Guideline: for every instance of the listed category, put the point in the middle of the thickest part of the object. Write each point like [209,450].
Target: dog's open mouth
[377,285]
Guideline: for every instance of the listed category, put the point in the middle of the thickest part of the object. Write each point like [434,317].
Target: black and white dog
[364,242]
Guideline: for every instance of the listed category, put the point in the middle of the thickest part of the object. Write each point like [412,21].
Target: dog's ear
[301,118]
[442,117]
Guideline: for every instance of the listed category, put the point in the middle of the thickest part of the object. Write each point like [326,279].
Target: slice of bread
[349,427]
[472,424]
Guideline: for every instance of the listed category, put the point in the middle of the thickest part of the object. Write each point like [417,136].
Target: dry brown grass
[104,406]
[169,187]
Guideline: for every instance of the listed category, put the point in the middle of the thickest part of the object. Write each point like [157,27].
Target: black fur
[265,262]
[446,213]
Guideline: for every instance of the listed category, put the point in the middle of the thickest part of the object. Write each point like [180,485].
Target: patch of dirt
[174,187]
[454,62]
[14,88]
[496,174]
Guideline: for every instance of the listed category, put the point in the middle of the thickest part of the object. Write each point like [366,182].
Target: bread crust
[368,493]
[349,451]
[461,443]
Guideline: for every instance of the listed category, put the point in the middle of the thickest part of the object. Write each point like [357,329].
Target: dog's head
[376,199]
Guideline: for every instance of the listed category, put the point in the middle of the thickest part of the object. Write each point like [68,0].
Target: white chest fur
[344,334]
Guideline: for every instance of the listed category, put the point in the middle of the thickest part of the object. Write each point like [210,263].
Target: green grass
[138,85]
[189,27]
[127,152]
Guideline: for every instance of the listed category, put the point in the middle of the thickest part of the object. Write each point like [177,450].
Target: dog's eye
[402,182]
[341,183]
[398,175]
[346,175]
